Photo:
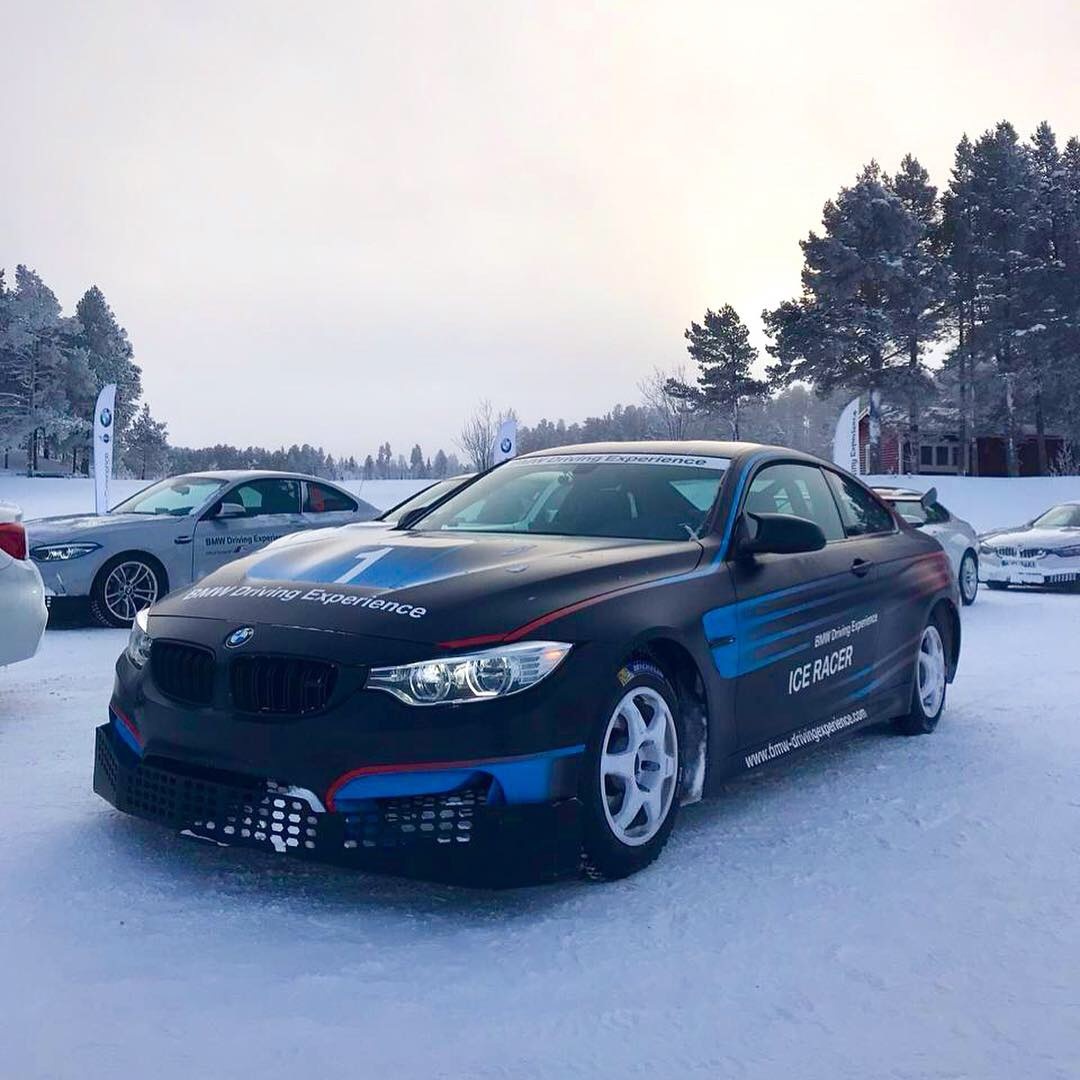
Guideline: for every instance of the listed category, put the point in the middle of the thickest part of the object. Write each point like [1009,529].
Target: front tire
[931,677]
[123,587]
[631,777]
[969,578]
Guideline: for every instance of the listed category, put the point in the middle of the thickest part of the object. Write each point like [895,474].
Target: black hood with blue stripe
[432,587]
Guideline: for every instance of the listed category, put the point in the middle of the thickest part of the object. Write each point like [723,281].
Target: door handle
[182,540]
[861,567]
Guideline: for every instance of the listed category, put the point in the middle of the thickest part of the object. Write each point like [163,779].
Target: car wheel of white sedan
[969,578]
[124,586]
[631,779]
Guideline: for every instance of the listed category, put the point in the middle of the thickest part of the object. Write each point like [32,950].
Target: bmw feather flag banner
[846,440]
[506,441]
[103,446]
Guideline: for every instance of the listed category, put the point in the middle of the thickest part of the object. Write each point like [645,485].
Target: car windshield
[1066,516]
[429,495]
[176,496]
[637,496]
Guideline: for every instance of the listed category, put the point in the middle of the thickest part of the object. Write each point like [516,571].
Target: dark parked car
[532,678]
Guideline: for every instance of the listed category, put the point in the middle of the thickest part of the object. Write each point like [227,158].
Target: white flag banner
[506,441]
[103,446]
[845,451]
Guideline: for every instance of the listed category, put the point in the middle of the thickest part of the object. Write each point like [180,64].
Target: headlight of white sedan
[479,676]
[138,646]
[61,552]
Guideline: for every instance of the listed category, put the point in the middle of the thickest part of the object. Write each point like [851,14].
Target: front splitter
[454,837]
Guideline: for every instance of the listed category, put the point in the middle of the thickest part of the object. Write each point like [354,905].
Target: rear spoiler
[929,498]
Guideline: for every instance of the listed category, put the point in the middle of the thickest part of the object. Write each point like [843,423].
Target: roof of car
[689,447]
[229,475]
[899,493]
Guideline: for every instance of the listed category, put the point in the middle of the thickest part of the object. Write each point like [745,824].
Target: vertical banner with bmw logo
[846,440]
[103,446]
[506,441]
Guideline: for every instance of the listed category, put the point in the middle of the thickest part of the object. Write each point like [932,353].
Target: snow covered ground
[887,907]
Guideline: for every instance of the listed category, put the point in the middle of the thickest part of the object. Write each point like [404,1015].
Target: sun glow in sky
[344,223]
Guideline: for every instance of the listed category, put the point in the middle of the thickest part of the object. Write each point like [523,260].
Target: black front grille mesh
[184,672]
[281,685]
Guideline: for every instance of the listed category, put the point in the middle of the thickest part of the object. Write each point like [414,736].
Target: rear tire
[931,678]
[123,587]
[631,774]
[969,578]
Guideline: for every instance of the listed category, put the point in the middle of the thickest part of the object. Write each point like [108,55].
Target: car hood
[1029,536]
[85,526]
[428,587]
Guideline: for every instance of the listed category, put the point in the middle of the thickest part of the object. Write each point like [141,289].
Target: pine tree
[720,346]
[110,354]
[369,468]
[146,444]
[917,296]
[416,463]
[840,333]
[439,468]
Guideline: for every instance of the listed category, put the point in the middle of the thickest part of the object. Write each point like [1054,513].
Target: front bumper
[1047,569]
[455,836]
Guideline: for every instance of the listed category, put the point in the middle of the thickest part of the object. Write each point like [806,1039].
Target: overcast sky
[343,223]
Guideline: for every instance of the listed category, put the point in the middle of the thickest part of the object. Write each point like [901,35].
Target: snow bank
[989,502]
[49,496]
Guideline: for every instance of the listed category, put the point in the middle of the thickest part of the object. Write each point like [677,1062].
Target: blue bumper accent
[515,781]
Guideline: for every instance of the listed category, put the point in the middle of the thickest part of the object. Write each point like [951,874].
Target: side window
[863,515]
[796,490]
[936,514]
[320,499]
[270,496]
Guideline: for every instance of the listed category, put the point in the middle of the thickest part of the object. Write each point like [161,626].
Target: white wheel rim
[130,587]
[639,766]
[969,578]
[931,677]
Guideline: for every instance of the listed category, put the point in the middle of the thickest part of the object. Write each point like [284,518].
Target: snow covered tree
[110,354]
[146,444]
[438,470]
[417,469]
[840,333]
[917,295]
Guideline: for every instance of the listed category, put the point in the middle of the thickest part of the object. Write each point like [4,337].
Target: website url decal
[804,738]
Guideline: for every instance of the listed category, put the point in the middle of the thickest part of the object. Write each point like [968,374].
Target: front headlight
[138,646]
[477,676]
[61,552]
[987,549]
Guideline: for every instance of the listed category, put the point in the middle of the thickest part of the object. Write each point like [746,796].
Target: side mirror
[229,510]
[411,516]
[779,534]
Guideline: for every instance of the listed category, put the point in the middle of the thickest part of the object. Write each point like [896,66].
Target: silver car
[177,531]
[1045,551]
[955,535]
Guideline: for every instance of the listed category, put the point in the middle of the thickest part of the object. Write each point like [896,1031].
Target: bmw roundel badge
[505,445]
[106,417]
[239,637]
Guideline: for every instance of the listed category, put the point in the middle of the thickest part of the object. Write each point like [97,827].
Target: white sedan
[22,594]
[1045,551]
[955,535]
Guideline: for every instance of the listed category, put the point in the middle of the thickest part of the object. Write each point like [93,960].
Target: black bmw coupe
[529,678]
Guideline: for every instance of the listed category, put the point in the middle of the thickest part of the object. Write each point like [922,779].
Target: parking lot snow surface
[885,907]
